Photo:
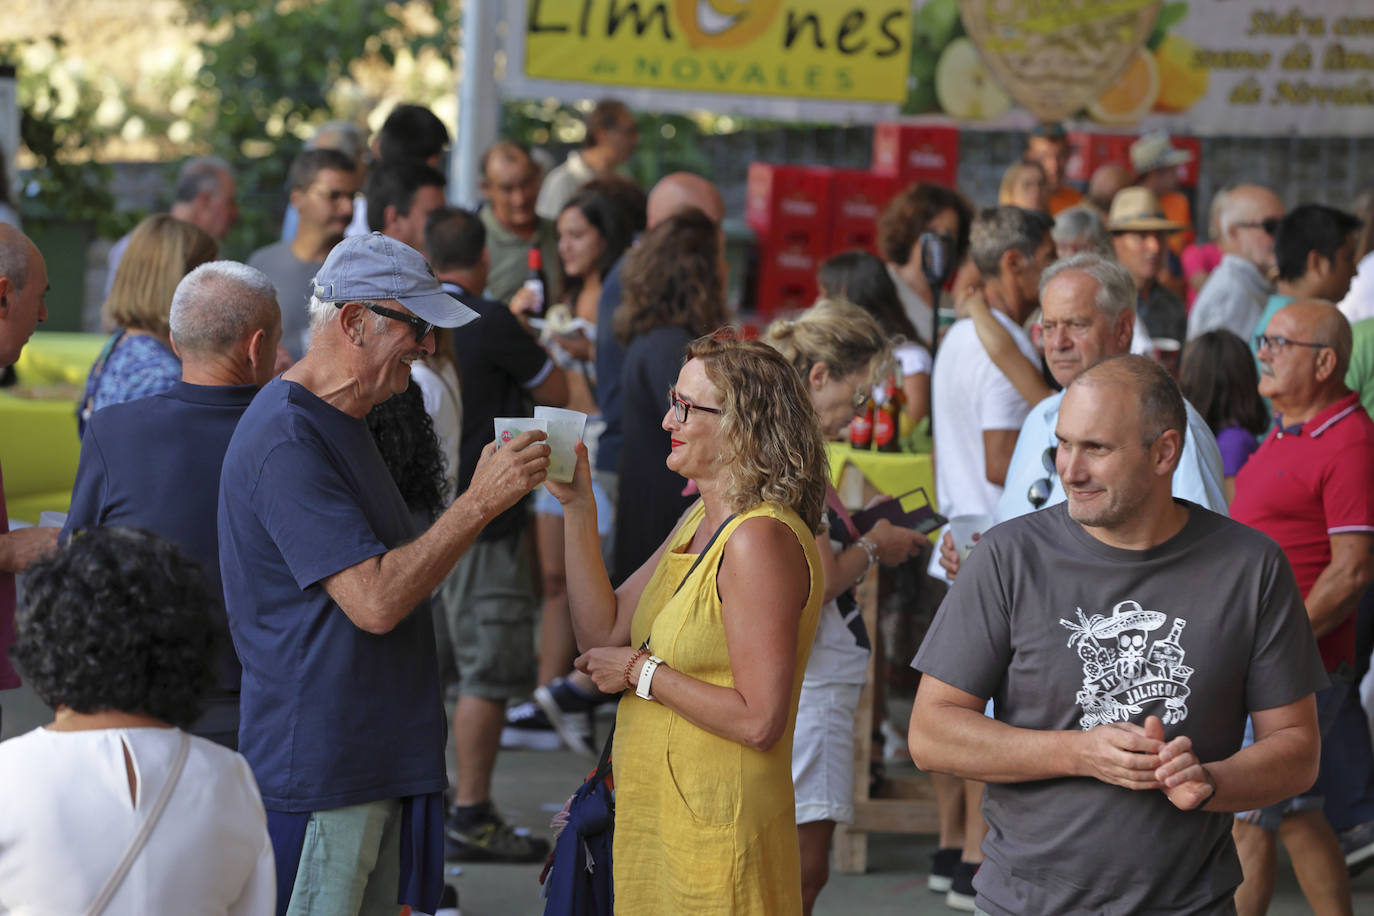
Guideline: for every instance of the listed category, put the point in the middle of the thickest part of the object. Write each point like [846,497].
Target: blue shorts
[1329,701]
[545,503]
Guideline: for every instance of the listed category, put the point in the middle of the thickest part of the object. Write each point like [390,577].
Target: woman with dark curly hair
[712,635]
[673,293]
[404,433]
[113,635]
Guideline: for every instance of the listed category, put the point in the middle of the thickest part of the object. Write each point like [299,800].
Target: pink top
[1195,258]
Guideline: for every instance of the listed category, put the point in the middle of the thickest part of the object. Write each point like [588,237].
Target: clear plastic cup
[966,530]
[565,430]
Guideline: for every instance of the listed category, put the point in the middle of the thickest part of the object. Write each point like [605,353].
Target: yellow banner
[855,50]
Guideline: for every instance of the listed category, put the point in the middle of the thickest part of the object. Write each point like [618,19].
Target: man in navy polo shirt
[1308,487]
[154,462]
[327,586]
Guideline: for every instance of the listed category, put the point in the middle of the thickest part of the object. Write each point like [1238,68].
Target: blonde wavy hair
[835,332]
[161,251]
[770,435]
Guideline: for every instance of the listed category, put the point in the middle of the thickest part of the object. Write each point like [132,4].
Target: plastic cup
[507,428]
[966,530]
[565,429]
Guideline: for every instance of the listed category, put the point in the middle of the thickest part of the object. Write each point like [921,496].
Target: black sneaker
[492,840]
[942,863]
[527,728]
[1357,844]
[961,893]
[569,714]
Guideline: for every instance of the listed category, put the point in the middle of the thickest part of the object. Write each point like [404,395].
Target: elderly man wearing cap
[1236,293]
[1139,231]
[327,585]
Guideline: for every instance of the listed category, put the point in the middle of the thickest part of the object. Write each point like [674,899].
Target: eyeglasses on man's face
[419,325]
[1277,345]
[1270,225]
[683,409]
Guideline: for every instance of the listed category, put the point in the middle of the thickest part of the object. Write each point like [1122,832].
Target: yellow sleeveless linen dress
[704,825]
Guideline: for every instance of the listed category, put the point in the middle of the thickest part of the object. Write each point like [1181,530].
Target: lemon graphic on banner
[724,23]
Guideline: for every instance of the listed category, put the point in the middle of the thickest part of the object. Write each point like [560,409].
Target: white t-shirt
[969,395]
[1358,303]
[444,403]
[68,818]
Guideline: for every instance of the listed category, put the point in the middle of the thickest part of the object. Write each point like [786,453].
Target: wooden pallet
[906,805]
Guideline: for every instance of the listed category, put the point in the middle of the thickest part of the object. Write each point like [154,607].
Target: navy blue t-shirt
[331,715]
[154,463]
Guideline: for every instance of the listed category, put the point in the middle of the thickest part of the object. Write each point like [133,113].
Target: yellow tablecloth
[58,357]
[39,448]
[890,472]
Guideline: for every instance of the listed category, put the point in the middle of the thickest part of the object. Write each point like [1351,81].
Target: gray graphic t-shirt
[1064,632]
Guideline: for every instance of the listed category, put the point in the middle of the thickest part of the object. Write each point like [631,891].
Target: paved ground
[531,786]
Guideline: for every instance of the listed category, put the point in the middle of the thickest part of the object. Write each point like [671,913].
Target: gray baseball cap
[376,266]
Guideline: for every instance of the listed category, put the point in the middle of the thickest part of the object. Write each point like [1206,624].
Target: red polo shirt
[1307,483]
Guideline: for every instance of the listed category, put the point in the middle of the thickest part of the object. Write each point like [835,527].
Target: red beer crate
[787,198]
[1188,171]
[786,277]
[857,199]
[916,152]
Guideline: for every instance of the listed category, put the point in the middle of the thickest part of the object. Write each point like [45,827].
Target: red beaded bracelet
[629,684]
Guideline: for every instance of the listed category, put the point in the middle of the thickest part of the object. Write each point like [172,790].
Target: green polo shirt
[1359,378]
[510,257]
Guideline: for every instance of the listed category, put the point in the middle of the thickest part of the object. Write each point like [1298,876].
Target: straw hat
[1138,210]
[1153,151]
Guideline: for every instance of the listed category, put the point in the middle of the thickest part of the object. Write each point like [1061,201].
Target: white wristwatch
[646,677]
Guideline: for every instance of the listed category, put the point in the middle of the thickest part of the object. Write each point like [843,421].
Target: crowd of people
[293,536]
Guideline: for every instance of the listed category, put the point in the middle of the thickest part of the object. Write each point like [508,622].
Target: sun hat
[1138,210]
[375,266]
[1153,151]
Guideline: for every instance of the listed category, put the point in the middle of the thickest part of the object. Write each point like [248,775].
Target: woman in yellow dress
[709,640]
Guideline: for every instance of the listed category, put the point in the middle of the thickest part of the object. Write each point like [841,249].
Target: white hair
[219,304]
[1082,222]
[1116,289]
[323,311]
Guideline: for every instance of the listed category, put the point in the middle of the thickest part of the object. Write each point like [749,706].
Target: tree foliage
[271,72]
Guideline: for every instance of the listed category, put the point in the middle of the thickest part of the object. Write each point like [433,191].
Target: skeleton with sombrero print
[1119,676]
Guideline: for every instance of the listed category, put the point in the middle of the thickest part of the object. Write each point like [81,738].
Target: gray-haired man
[154,462]
[204,195]
[327,586]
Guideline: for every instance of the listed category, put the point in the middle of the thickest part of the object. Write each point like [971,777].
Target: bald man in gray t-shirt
[1124,637]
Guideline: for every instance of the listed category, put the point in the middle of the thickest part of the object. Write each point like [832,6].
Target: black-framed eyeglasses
[1270,225]
[1039,492]
[683,409]
[1279,344]
[419,325]
[860,399]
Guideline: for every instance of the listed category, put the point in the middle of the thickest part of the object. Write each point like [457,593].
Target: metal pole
[477,101]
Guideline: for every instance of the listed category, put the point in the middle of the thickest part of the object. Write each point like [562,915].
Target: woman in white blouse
[114,635]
